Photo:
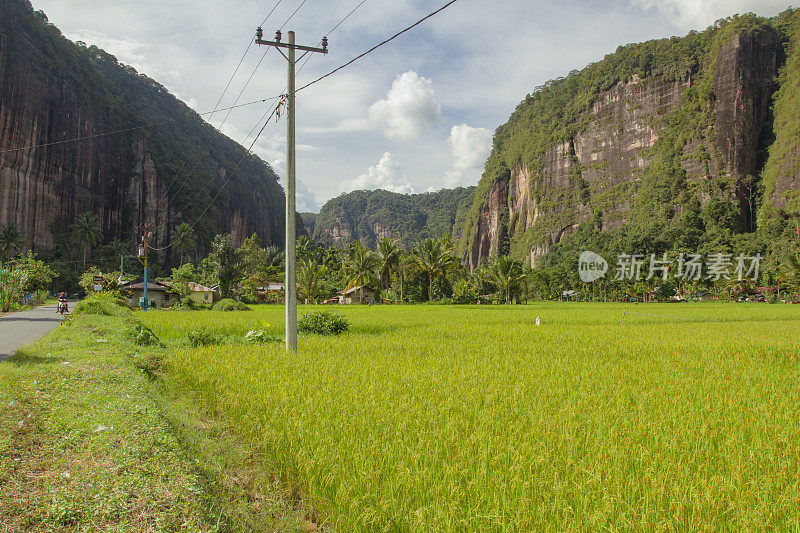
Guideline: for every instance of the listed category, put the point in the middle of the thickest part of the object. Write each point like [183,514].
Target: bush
[144,336]
[322,323]
[202,337]
[230,305]
[102,304]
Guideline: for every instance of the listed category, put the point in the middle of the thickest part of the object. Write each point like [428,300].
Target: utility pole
[143,260]
[290,288]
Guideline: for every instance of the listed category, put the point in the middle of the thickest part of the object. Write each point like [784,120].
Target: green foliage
[226,262]
[114,96]
[10,240]
[144,336]
[408,218]
[204,337]
[260,336]
[322,323]
[38,276]
[227,304]
[103,305]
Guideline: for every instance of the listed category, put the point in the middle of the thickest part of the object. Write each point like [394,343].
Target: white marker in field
[538,320]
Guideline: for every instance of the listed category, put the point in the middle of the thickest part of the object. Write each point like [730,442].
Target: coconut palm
[388,253]
[360,266]
[506,275]
[87,232]
[184,238]
[311,280]
[432,258]
[10,238]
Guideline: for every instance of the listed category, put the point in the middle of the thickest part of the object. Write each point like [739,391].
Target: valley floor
[603,416]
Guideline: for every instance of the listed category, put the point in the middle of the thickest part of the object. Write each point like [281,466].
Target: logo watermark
[690,267]
[591,267]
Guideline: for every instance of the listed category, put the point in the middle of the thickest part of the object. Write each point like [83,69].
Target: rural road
[19,329]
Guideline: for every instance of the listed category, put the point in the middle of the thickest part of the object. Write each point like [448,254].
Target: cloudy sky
[413,116]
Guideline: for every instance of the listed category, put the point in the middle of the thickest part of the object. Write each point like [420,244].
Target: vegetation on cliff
[369,216]
[52,78]
[684,196]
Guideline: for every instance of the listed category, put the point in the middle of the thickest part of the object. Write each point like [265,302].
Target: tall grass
[444,419]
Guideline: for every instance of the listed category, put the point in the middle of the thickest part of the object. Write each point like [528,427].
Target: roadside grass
[473,418]
[91,440]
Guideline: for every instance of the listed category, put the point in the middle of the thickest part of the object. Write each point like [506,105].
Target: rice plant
[474,418]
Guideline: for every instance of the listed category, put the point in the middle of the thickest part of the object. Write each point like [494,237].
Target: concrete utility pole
[143,259]
[290,288]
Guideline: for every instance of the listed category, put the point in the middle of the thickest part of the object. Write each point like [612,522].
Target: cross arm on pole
[296,46]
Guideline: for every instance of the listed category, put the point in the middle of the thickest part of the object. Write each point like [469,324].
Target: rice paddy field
[439,418]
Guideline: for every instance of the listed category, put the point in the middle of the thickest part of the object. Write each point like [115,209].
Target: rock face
[713,118]
[53,91]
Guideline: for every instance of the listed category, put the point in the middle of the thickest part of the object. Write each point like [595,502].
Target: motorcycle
[63,307]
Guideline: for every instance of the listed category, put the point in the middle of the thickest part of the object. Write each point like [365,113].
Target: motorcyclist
[62,303]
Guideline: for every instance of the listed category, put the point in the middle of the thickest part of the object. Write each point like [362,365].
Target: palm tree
[360,267]
[10,238]
[311,279]
[87,232]
[184,238]
[506,275]
[388,257]
[431,257]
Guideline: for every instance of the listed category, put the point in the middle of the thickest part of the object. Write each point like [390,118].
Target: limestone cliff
[632,139]
[369,216]
[53,91]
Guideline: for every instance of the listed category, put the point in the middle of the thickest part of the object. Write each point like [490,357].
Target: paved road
[19,329]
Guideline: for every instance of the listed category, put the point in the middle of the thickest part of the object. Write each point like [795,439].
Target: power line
[293,14]
[420,21]
[219,102]
[134,128]
[227,180]
[308,57]
[347,16]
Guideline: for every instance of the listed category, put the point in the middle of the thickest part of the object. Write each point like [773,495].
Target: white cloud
[305,200]
[128,51]
[387,174]
[470,147]
[699,14]
[409,109]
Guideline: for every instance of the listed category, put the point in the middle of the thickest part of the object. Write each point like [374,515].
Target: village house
[201,294]
[358,295]
[158,294]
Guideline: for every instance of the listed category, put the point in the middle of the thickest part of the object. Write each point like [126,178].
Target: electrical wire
[133,128]
[227,180]
[396,35]
[305,61]
[169,192]
[306,86]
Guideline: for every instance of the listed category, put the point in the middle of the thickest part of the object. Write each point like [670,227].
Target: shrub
[102,304]
[322,323]
[202,337]
[230,305]
[144,336]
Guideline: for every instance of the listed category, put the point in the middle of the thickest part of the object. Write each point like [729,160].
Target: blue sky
[415,115]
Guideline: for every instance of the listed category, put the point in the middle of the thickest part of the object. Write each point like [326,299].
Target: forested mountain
[688,143]
[368,216]
[52,90]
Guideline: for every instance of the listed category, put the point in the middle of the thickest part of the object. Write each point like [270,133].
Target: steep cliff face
[53,91]
[642,133]
[369,216]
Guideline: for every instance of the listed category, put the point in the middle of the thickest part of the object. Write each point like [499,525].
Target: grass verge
[91,439]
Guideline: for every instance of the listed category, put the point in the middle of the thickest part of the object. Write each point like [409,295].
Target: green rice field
[440,418]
